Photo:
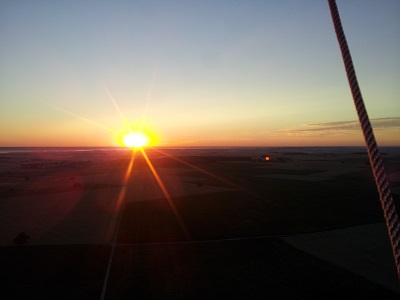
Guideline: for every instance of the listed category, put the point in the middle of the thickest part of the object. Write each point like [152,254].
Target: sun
[136,140]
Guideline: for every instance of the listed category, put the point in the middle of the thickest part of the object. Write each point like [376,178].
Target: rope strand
[388,206]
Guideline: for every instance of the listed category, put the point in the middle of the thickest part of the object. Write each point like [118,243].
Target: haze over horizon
[215,73]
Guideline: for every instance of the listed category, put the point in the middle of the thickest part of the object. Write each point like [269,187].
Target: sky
[196,73]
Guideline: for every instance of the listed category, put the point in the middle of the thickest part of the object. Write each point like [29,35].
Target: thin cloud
[344,127]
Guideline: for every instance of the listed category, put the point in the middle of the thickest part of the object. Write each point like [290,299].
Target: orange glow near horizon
[133,134]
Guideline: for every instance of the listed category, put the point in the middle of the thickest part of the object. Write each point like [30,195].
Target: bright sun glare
[136,140]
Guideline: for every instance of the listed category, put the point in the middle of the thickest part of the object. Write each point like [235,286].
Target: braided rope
[388,206]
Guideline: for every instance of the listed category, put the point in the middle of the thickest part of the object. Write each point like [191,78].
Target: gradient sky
[246,73]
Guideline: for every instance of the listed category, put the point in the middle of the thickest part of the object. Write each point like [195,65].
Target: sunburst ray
[166,195]
[219,178]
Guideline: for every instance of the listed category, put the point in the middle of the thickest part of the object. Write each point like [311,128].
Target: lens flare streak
[84,119]
[166,194]
[111,98]
[117,216]
[200,170]
[223,180]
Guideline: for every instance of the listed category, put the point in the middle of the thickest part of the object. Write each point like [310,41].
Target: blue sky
[201,72]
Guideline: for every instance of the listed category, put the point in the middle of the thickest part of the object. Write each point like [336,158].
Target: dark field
[223,232]
[255,269]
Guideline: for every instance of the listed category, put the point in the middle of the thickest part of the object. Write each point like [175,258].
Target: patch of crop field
[251,269]
[240,214]
[53,272]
